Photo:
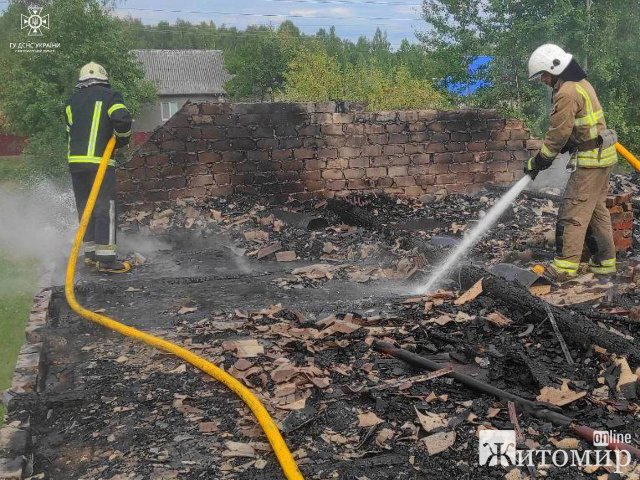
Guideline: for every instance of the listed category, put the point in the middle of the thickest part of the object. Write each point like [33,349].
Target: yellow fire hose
[629,157]
[288,464]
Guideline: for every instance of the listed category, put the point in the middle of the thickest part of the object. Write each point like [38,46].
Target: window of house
[168,110]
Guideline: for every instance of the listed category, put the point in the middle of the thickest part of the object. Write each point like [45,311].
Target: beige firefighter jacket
[577,117]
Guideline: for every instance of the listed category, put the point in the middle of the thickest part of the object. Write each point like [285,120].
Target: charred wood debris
[349,411]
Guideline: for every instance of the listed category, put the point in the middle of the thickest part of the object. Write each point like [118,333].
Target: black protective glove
[535,165]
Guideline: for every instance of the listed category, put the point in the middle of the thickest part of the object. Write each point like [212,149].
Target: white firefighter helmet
[92,70]
[548,58]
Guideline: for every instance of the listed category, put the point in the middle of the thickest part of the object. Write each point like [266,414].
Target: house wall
[150,116]
[309,150]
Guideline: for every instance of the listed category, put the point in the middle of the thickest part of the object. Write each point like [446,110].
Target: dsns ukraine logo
[34,22]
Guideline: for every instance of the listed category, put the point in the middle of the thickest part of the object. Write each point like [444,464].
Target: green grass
[17,287]
[13,168]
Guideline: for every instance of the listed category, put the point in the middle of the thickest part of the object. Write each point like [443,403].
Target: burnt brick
[281,154]
[222,178]
[289,176]
[221,190]
[173,145]
[434,147]
[438,168]
[135,162]
[463,177]
[483,177]
[182,133]
[126,186]
[383,182]
[156,195]
[310,130]
[408,116]
[358,184]
[269,166]
[504,177]
[333,141]
[243,144]
[481,135]
[292,187]
[496,124]
[455,147]
[424,180]
[233,157]
[220,145]
[331,129]
[520,155]
[407,181]
[421,159]
[196,145]
[476,146]
[244,167]
[155,160]
[201,180]
[349,152]
[267,143]
[351,173]
[395,127]
[496,145]
[314,164]
[332,174]
[374,172]
[398,138]
[201,119]
[290,165]
[436,126]
[324,118]
[374,128]
[342,118]
[355,141]
[411,148]
[290,142]
[174,182]
[460,137]
[428,115]
[501,135]
[400,171]
[246,189]
[262,132]
[386,116]
[515,144]
[314,186]
[500,156]
[327,153]
[197,169]
[257,155]
[442,157]
[359,162]
[209,157]
[520,135]
[400,160]
[212,132]
[419,137]
[459,167]
[213,108]
[311,175]
[446,178]
[222,167]
[414,191]
[380,161]
[304,153]
[354,129]
[378,139]
[338,163]
[392,149]
[497,167]
[478,167]
[417,127]
[336,184]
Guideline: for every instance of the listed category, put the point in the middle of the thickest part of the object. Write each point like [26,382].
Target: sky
[352,18]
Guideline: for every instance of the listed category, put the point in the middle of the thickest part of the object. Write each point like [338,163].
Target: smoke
[37,221]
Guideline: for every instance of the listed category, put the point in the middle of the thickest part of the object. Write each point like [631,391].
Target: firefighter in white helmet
[576,125]
[93,114]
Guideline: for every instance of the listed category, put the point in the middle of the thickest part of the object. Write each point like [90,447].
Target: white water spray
[474,235]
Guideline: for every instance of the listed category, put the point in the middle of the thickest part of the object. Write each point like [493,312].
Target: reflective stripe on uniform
[610,262]
[580,121]
[589,159]
[88,159]
[545,152]
[114,107]
[69,115]
[123,134]
[89,247]
[590,118]
[565,265]
[95,124]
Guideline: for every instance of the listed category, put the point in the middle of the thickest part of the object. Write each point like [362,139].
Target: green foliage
[377,87]
[35,86]
[601,38]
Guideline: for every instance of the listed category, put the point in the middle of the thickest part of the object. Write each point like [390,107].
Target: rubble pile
[118,410]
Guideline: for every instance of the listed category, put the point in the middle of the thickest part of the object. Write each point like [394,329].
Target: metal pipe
[527,405]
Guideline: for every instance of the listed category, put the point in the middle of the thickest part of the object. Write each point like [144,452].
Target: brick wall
[309,150]
[621,210]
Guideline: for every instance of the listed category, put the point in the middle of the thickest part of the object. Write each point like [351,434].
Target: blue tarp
[476,69]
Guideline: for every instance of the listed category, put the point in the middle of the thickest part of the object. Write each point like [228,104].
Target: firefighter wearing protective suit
[576,125]
[93,114]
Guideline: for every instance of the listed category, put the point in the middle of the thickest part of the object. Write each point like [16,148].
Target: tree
[258,66]
[35,86]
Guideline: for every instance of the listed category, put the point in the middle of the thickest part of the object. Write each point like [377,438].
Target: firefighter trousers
[100,238]
[584,217]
